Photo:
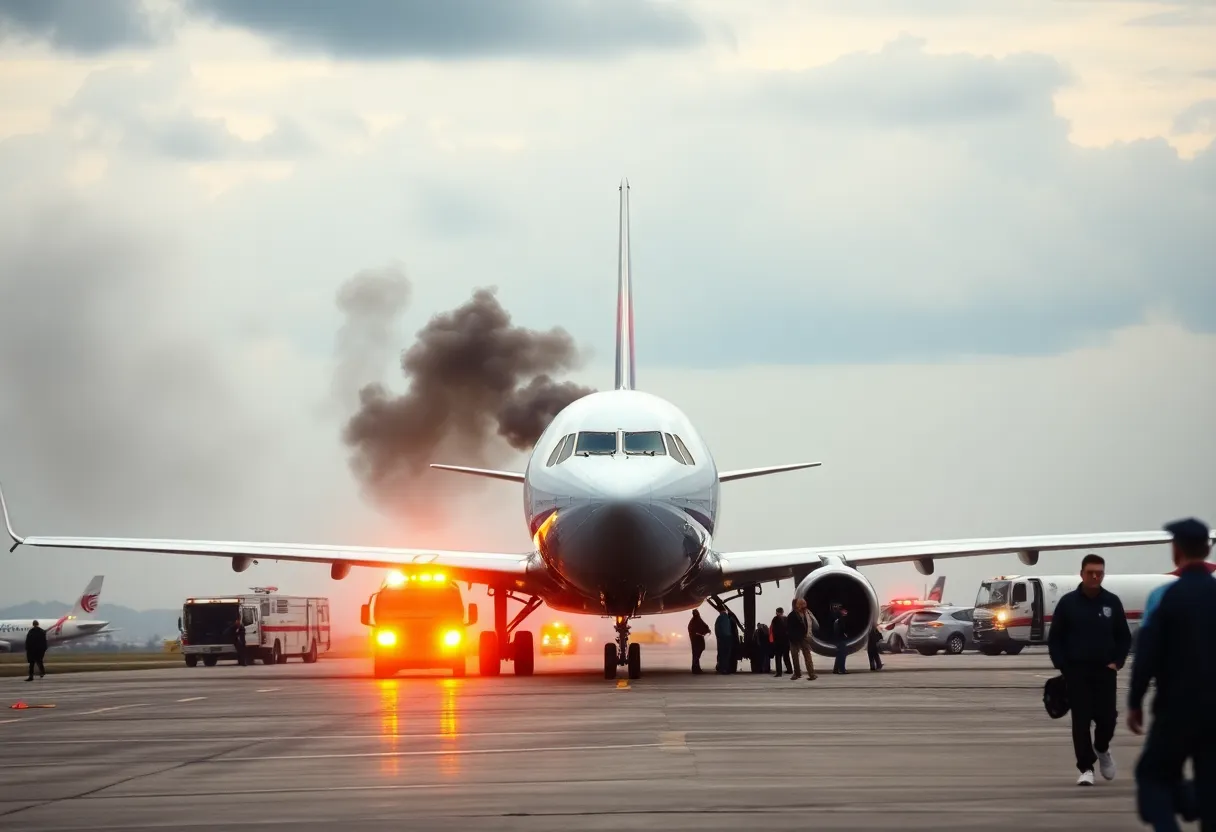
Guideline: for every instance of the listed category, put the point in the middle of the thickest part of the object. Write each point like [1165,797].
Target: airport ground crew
[872,642]
[760,648]
[35,650]
[1176,646]
[238,640]
[799,625]
[1089,642]
[724,633]
[779,640]
[841,637]
[697,631]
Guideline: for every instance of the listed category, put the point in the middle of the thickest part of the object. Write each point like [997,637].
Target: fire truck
[1014,611]
[417,622]
[277,627]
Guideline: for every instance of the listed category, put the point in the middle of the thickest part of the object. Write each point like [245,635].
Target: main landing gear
[497,646]
[746,648]
[622,653]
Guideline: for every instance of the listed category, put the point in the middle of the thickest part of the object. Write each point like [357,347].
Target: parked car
[943,628]
[895,633]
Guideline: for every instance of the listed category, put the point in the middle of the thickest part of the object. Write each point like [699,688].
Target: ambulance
[277,627]
[1014,611]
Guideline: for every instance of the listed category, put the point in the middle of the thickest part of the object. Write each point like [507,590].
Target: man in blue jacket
[1177,647]
[1089,641]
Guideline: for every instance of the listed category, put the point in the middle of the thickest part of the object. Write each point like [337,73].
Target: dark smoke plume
[477,388]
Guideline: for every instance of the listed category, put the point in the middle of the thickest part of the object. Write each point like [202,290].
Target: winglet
[626,369]
[8,523]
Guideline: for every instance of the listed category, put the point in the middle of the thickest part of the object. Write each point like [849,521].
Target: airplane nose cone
[623,549]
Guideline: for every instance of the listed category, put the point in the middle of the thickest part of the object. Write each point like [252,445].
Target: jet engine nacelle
[5,647]
[830,585]
[240,563]
[338,571]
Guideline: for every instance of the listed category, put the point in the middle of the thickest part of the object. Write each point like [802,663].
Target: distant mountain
[136,625]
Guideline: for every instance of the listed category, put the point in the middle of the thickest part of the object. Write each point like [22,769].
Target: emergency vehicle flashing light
[397,579]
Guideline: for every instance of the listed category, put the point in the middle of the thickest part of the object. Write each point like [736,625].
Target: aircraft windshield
[993,594]
[648,442]
[596,442]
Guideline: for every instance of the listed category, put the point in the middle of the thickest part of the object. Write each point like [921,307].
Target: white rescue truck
[1014,611]
[277,627]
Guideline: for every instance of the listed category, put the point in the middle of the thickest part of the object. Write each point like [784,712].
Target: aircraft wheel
[635,661]
[610,661]
[525,655]
[488,662]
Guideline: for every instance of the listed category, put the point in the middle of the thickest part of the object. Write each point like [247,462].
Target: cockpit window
[557,449]
[567,448]
[684,451]
[675,450]
[596,442]
[648,442]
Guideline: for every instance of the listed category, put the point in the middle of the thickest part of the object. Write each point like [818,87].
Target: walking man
[697,631]
[841,636]
[238,639]
[35,650]
[779,636]
[1089,641]
[800,624]
[1176,646]
[872,642]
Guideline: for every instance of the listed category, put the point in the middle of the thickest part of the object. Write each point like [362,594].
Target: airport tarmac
[942,742]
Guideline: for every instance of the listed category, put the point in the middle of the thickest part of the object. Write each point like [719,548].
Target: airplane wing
[477,567]
[774,564]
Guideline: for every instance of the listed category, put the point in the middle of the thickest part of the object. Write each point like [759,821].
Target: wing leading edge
[478,567]
[773,564]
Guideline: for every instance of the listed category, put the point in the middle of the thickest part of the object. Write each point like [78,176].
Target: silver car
[941,628]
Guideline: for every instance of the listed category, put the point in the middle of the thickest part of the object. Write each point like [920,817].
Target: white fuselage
[621,532]
[12,632]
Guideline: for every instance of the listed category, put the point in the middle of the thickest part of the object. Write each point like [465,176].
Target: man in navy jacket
[1089,642]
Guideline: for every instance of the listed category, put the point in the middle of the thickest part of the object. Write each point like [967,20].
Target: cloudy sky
[962,253]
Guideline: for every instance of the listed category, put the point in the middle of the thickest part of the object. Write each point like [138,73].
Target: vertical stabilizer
[86,604]
[939,589]
[625,367]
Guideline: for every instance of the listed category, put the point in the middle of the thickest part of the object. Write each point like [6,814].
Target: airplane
[77,624]
[622,500]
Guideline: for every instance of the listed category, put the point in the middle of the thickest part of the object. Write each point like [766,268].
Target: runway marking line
[192,699]
[267,690]
[435,753]
[111,708]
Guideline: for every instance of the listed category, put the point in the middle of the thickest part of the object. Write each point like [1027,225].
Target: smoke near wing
[477,387]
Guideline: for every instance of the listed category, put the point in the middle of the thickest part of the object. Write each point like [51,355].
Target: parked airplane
[77,624]
[621,498]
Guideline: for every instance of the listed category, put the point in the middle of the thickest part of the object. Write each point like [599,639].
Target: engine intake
[831,585]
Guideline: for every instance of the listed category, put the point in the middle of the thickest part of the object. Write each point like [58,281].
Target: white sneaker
[1106,765]
[1086,778]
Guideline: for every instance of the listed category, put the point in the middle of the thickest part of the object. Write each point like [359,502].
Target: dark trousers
[1091,698]
[240,653]
[698,647]
[842,653]
[1161,792]
[872,654]
[36,661]
[781,653]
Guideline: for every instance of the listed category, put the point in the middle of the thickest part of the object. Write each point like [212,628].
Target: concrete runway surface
[943,742]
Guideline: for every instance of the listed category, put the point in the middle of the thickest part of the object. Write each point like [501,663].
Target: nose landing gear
[622,653]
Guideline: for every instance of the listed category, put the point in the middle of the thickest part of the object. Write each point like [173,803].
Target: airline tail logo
[88,603]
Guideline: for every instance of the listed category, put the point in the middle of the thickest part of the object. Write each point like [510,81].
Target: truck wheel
[1013,649]
[272,656]
[488,662]
[990,651]
[279,656]
[926,651]
[191,661]
[210,661]
[311,655]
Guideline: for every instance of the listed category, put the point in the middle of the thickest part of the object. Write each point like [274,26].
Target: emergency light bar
[213,600]
[396,579]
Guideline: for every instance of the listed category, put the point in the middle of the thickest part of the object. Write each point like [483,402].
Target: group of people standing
[787,640]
